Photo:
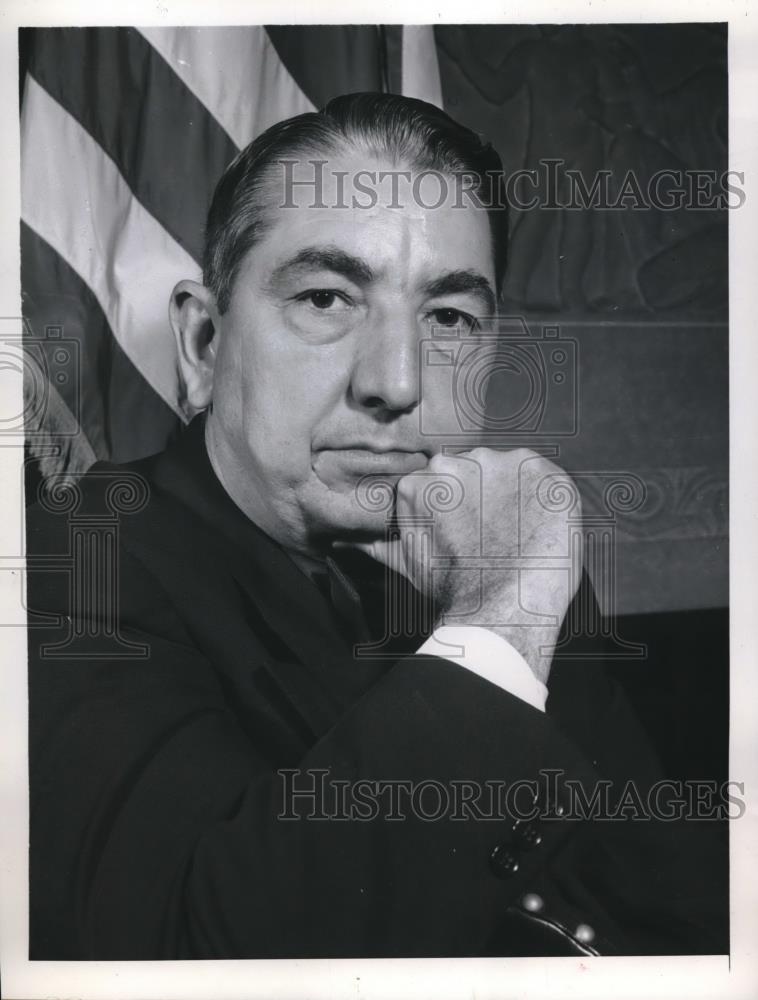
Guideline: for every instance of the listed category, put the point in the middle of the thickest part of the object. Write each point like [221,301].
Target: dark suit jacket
[155,795]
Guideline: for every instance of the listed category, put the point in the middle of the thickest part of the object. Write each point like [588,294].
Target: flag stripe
[89,215]
[168,147]
[235,73]
[327,61]
[105,391]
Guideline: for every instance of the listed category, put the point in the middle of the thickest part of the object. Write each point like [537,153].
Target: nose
[385,377]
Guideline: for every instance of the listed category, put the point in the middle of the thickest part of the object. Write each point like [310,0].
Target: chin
[345,515]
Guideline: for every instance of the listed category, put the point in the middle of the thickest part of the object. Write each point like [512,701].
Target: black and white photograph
[377,452]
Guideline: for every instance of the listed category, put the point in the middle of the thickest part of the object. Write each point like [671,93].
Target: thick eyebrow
[326,258]
[455,282]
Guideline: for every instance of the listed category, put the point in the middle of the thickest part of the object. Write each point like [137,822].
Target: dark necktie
[345,600]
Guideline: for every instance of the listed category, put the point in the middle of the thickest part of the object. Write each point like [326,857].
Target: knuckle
[438,461]
[524,454]
[482,458]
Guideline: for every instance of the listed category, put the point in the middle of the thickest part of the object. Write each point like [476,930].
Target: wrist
[530,627]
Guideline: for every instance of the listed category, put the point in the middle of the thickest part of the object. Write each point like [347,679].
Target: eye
[324,299]
[323,315]
[450,318]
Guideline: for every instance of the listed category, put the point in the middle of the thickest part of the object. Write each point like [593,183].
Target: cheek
[279,390]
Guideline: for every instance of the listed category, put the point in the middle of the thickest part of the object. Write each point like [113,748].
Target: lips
[342,468]
[365,461]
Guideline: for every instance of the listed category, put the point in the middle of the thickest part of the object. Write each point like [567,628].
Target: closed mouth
[389,461]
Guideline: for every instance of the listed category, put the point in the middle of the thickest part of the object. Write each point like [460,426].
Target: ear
[195,320]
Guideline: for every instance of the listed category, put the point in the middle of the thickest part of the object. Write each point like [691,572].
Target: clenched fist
[495,538]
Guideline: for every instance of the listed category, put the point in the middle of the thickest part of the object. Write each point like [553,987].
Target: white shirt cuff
[485,653]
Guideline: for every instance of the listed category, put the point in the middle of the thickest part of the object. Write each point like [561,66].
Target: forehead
[406,224]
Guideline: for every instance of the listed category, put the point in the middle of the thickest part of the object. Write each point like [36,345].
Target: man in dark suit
[263,721]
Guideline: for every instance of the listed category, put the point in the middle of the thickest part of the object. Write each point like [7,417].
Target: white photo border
[557,978]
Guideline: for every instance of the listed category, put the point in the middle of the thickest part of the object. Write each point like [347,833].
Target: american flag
[125,132]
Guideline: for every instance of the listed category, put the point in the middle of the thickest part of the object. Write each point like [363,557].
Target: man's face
[317,381]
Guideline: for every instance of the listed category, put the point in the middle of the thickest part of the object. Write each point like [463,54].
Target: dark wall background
[643,292]
[616,97]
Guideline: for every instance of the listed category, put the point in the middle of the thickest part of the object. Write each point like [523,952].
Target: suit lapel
[313,667]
